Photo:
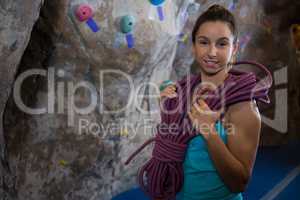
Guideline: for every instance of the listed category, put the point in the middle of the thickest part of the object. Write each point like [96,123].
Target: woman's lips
[211,63]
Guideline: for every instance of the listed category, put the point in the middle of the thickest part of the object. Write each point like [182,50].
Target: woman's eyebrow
[202,37]
[224,38]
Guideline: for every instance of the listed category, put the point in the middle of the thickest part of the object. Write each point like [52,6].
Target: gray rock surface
[15,30]
[75,149]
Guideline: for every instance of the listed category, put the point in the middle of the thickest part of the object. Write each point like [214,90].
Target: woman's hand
[169,91]
[203,118]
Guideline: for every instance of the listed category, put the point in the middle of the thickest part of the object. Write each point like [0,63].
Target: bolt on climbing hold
[233,5]
[158,4]
[84,13]
[127,24]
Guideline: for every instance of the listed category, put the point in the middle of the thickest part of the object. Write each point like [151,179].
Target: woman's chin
[210,70]
[211,66]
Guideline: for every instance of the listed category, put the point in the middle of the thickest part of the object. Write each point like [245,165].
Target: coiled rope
[162,176]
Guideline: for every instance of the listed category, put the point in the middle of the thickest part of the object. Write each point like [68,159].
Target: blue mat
[291,192]
[133,194]
[271,166]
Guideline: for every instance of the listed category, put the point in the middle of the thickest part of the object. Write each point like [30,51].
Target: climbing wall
[81,113]
[88,58]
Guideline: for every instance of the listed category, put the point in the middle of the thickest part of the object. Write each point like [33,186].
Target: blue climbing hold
[157,2]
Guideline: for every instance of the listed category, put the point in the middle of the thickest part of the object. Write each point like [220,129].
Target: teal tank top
[201,180]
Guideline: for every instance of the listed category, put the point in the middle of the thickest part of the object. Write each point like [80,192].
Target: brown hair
[216,13]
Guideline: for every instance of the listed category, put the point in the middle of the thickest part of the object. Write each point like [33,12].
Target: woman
[214,159]
[230,156]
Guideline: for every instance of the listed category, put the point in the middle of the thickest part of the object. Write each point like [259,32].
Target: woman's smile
[211,63]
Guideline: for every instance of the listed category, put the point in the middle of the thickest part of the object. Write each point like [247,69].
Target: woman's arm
[234,162]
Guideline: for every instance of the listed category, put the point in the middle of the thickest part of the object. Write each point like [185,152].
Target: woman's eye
[222,44]
[202,42]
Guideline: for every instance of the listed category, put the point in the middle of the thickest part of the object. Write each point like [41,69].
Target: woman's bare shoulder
[245,113]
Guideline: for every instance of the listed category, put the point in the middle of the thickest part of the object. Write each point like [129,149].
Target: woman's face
[214,47]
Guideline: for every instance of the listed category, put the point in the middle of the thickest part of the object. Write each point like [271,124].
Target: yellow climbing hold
[124,132]
[63,162]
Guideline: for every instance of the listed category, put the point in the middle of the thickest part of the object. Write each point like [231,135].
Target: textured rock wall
[15,29]
[50,154]
[68,152]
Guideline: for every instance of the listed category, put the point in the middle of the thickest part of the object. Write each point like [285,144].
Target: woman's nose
[212,51]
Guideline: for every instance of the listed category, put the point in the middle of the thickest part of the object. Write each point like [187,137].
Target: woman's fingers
[170,88]
[203,104]
[198,108]
[201,108]
[166,84]
[169,94]
[169,91]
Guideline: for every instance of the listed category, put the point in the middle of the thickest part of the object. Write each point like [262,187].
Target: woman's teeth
[211,62]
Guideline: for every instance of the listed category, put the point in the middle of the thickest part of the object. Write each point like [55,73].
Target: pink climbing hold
[84,12]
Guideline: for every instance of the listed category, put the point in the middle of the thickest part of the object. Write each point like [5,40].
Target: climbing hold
[63,162]
[158,4]
[183,37]
[84,13]
[127,24]
[124,132]
[233,5]
[188,9]
[193,8]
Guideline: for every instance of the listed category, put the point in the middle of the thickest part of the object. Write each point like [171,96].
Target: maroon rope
[162,176]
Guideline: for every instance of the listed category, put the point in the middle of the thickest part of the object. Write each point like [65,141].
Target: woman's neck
[215,80]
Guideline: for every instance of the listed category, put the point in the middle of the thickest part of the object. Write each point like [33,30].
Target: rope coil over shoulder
[162,176]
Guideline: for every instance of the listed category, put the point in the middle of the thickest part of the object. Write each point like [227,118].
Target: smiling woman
[214,47]
[215,41]
[215,169]
[216,165]
[211,160]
